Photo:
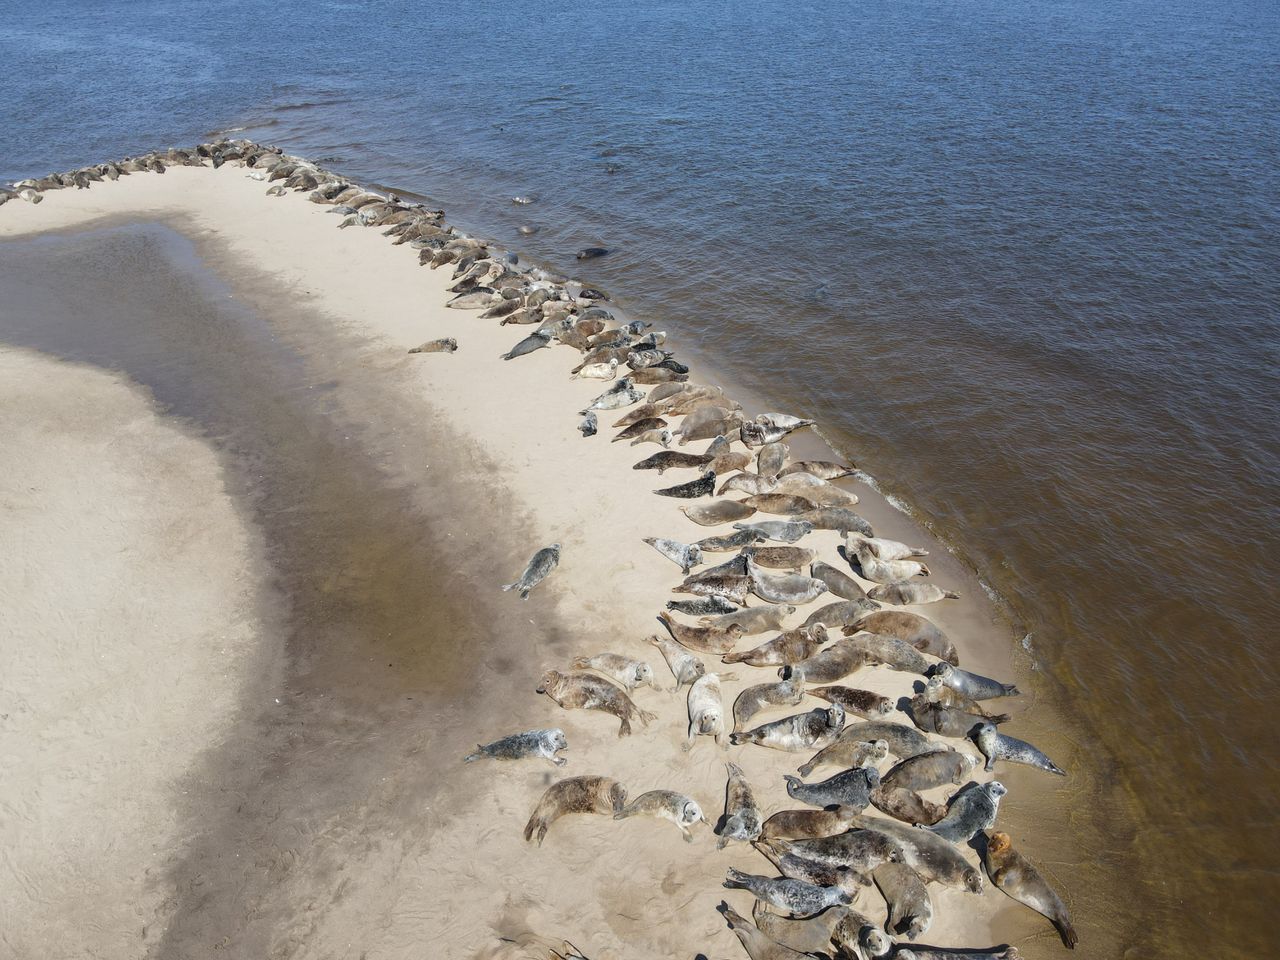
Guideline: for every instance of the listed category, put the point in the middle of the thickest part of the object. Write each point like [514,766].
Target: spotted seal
[999,746]
[771,458]
[973,685]
[799,732]
[702,606]
[793,898]
[810,937]
[443,345]
[684,667]
[624,670]
[784,693]
[935,691]
[823,469]
[862,703]
[683,811]
[847,754]
[704,486]
[574,795]
[683,555]
[589,425]
[891,652]
[944,721]
[840,519]
[1018,878]
[640,427]
[928,953]
[671,460]
[532,743]
[851,788]
[793,588]
[875,569]
[910,909]
[706,711]
[539,567]
[973,809]
[583,691]
[741,815]
[781,558]
[903,741]
[786,648]
[808,824]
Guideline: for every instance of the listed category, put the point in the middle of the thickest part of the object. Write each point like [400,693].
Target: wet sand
[392,494]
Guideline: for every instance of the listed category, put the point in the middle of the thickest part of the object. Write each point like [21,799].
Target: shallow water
[1020,262]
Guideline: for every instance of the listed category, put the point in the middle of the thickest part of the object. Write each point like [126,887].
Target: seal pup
[722,511]
[833,662]
[539,567]
[903,741]
[533,743]
[683,555]
[706,711]
[847,754]
[1018,878]
[783,531]
[443,345]
[741,815]
[808,824]
[574,795]
[589,425]
[903,592]
[753,620]
[841,584]
[672,460]
[972,810]
[583,691]
[709,639]
[907,805]
[936,860]
[841,613]
[771,458]
[882,548]
[862,703]
[973,685]
[911,628]
[683,811]
[757,945]
[704,486]
[793,898]
[784,693]
[801,731]
[702,606]
[886,571]
[684,667]
[822,469]
[928,770]
[624,670]
[910,909]
[935,691]
[785,649]
[998,746]
[852,788]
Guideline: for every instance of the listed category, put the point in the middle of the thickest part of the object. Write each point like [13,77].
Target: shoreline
[533,467]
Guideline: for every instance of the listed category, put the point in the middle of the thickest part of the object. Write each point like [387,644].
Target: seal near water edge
[911,628]
[973,685]
[539,567]
[1018,878]
[583,691]
[683,811]
[999,746]
[904,592]
[972,810]
[588,794]
[517,746]
[925,771]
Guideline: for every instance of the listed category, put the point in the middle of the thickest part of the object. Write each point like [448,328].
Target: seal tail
[805,769]
[647,717]
[950,595]
[1010,690]
[738,739]
[998,718]
[924,571]
[625,729]
[1067,932]
[737,880]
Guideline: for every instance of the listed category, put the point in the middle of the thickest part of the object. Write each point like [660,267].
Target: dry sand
[432,860]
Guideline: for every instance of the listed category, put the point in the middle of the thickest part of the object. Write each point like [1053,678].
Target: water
[1019,260]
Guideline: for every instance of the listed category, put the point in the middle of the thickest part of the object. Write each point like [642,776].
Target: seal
[684,668]
[841,613]
[790,588]
[534,341]
[802,731]
[935,691]
[660,437]
[722,511]
[729,542]
[907,805]
[771,458]
[862,703]
[904,592]
[443,345]
[747,483]
[972,810]
[910,628]
[704,486]
[944,721]
[887,571]
[822,469]
[701,607]
[891,652]
[793,898]
[518,746]
[781,558]
[910,909]
[852,788]
[903,741]
[847,753]
[757,945]
[707,639]
[582,691]
[821,493]
[598,371]
[973,685]
[998,746]
[683,811]
[841,584]
[683,555]
[781,504]
[726,463]
[706,711]
[925,771]
[753,620]
[834,662]
[731,586]
[936,860]
[591,253]
[672,460]
[859,850]
[884,549]
[783,531]
[810,937]
[808,824]
[841,519]
[574,795]
[856,936]
[539,567]
[926,953]
[784,693]
[624,670]
[785,649]
[741,815]
[589,425]
[1017,877]
[796,867]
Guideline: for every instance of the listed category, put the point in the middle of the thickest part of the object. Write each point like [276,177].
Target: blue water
[1020,260]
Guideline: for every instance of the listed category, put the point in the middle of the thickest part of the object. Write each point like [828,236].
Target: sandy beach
[255,610]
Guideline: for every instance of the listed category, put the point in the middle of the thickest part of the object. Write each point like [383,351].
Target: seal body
[533,743]
[910,909]
[887,571]
[838,583]
[841,519]
[786,648]
[741,815]
[539,567]
[906,805]
[784,531]
[574,795]
[861,703]
[754,620]
[771,458]
[903,741]
[935,859]
[860,850]
[792,898]
[808,824]
[722,511]
[841,613]
[852,788]
[684,667]
[671,460]
[1017,877]
[706,710]
[970,811]
[973,685]
[757,944]
[704,486]
[683,811]
[928,770]
[998,746]
[904,592]
[444,345]
[705,639]
[702,606]
[583,691]
[753,699]
[847,753]
[885,549]
[833,662]
[683,555]
[910,628]
[891,652]
[624,670]
[803,731]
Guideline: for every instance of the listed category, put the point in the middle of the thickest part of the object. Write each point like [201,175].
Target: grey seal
[887,571]
[998,746]
[721,511]
[841,613]
[852,788]
[904,592]
[861,850]
[808,824]
[672,460]
[972,685]
[925,771]
[574,795]
[539,567]
[583,691]
[683,555]
[793,898]
[784,693]
[591,253]
[704,486]
[684,667]
[855,936]
[823,469]
[624,670]
[885,549]
[944,721]
[784,531]
[753,620]
[928,953]
[891,652]
[837,582]
[747,483]
[841,519]
[848,754]
[911,628]
[589,425]
[731,586]
[793,588]
[640,428]
[704,639]
[833,662]
[771,458]
[903,741]
[534,341]
[810,937]
[972,810]
[741,814]
[907,805]
[802,731]
[703,606]
[683,811]
[517,746]
[757,945]
[862,703]
[443,345]
[910,909]
[936,860]
[782,558]
[786,648]
[1018,878]
[935,691]
[706,711]
[729,542]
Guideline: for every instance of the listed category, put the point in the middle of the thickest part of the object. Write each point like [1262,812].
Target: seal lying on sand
[907,806]
[910,628]
[801,732]
[683,811]
[1016,876]
[847,753]
[626,671]
[792,898]
[972,810]
[904,592]
[517,746]
[702,606]
[862,703]
[752,700]
[444,345]
[719,640]
[683,555]
[998,746]
[757,945]
[787,648]
[741,815]
[574,795]
[685,667]
[540,565]
[706,710]
[928,770]
[582,691]
[808,824]
[973,685]
[852,788]
[910,909]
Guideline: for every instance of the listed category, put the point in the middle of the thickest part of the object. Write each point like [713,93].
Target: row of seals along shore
[825,843]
